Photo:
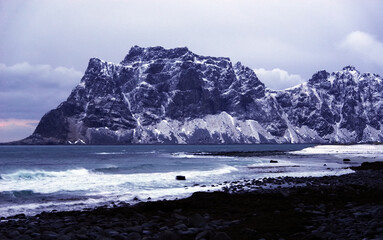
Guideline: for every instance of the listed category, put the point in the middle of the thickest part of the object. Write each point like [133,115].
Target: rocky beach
[331,207]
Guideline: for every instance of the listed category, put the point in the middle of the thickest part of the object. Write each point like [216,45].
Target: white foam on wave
[183,155]
[30,175]
[265,163]
[94,182]
[125,152]
[357,149]
[189,155]
[35,208]
[99,188]
[316,173]
[110,153]
[108,199]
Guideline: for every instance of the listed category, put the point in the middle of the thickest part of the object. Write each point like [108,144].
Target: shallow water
[44,178]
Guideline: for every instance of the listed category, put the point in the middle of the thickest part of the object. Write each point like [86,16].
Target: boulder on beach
[273,161]
[180,177]
[196,220]
[168,235]
[346,160]
[221,236]
[134,236]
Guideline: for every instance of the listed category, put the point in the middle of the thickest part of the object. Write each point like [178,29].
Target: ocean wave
[41,174]
[271,163]
[224,169]
[11,195]
[183,155]
[25,175]
[115,169]
[123,152]
[110,153]
[197,155]
[93,182]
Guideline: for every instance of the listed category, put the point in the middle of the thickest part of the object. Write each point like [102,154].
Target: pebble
[168,235]
[134,236]
[196,220]
[221,236]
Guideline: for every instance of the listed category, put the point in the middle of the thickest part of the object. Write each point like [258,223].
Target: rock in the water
[273,161]
[180,177]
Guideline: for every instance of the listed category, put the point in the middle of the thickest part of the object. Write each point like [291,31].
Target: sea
[35,179]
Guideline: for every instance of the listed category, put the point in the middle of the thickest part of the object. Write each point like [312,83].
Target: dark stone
[273,161]
[134,236]
[207,234]
[168,235]
[180,177]
[136,199]
[14,234]
[221,236]
[196,220]
[49,235]
[134,229]
[64,237]
[248,233]
[369,166]
[81,236]
[19,216]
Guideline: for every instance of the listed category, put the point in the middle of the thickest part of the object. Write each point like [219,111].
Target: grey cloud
[278,79]
[364,46]
[28,91]
[15,129]
[298,36]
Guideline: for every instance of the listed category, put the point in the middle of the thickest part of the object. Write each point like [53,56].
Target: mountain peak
[168,96]
[137,54]
[94,66]
[349,68]
[352,71]
[318,78]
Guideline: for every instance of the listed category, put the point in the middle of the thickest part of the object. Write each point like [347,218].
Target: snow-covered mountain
[158,95]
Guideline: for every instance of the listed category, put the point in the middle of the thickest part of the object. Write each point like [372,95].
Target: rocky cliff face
[158,95]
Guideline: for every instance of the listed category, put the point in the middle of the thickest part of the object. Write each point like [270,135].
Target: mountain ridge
[174,96]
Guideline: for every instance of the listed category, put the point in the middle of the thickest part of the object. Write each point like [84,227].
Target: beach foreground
[333,207]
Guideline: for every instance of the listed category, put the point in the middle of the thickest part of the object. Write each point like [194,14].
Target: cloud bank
[294,35]
[27,92]
[278,79]
[365,46]
[16,129]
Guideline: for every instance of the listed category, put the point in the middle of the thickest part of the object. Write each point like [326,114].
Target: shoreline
[332,207]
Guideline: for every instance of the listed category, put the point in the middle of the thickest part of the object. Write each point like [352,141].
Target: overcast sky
[45,45]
